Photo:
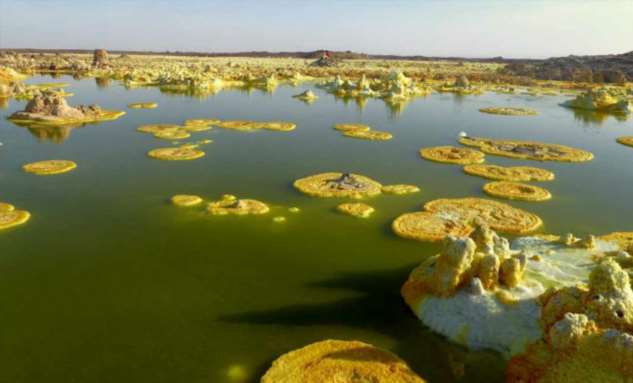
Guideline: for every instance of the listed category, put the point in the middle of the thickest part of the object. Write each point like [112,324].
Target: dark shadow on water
[380,308]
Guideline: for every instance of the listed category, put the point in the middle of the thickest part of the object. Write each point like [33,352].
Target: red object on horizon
[327,54]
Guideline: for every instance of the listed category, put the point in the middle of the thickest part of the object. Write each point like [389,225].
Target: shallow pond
[109,282]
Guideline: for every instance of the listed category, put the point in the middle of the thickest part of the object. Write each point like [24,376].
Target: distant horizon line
[296,53]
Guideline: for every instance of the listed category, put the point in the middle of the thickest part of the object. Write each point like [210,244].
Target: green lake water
[108,282]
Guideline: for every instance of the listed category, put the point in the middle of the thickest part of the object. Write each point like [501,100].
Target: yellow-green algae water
[109,282]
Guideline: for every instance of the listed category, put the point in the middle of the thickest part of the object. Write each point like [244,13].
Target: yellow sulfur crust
[49,167]
[143,105]
[499,216]
[338,185]
[176,154]
[518,191]
[340,361]
[509,111]
[528,150]
[186,200]
[626,140]
[400,189]
[509,173]
[357,209]
[426,226]
[452,155]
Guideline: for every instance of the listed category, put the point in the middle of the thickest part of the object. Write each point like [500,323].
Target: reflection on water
[57,134]
[4,102]
[396,107]
[595,117]
[360,102]
[112,278]
[103,82]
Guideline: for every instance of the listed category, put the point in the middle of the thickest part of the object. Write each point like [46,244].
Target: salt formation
[157,128]
[230,204]
[626,140]
[307,96]
[49,167]
[601,100]
[509,173]
[176,134]
[457,217]
[426,226]
[356,209]
[338,185]
[461,86]
[588,332]
[395,87]
[483,293]
[509,111]
[372,135]
[10,217]
[10,82]
[400,189]
[528,150]
[498,215]
[180,153]
[186,200]
[344,128]
[452,155]
[362,131]
[143,105]
[340,361]
[247,125]
[51,109]
[516,190]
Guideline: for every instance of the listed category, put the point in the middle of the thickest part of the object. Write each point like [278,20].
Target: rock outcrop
[602,100]
[51,108]
[100,58]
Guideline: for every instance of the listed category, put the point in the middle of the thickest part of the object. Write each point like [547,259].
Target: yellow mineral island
[452,155]
[340,361]
[516,190]
[356,209]
[602,100]
[509,173]
[186,200]
[509,111]
[457,217]
[143,105]
[626,140]
[527,150]
[245,125]
[230,204]
[10,217]
[400,189]
[49,167]
[338,185]
[180,153]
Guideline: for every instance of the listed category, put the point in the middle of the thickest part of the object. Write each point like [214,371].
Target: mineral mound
[340,361]
[50,108]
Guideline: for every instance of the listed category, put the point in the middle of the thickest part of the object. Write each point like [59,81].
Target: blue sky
[471,28]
